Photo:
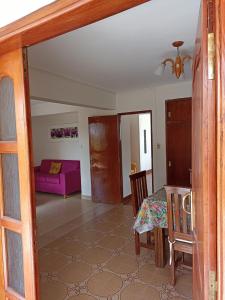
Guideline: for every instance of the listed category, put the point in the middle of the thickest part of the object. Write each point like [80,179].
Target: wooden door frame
[137,113]
[220,142]
[67,15]
[167,101]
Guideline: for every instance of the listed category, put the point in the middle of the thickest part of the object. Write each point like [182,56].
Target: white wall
[25,7]
[130,142]
[44,147]
[153,98]
[125,132]
[134,138]
[55,88]
[145,158]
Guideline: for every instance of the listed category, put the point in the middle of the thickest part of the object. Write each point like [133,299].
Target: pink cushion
[53,178]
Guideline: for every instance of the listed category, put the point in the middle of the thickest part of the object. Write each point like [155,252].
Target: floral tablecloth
[153,213]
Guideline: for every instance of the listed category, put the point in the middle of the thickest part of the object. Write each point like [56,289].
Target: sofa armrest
[37,168]
[69,175]
[71,181]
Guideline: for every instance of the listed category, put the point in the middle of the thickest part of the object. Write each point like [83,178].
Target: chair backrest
[139,189]
[179,213]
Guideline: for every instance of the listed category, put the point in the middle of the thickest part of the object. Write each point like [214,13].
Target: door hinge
[212,285]
[211,56]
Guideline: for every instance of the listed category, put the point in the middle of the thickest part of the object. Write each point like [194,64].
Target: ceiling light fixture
[177,64]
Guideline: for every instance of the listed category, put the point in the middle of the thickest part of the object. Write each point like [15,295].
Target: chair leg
[149,238]
[182,258]
[137,243]
[173,268]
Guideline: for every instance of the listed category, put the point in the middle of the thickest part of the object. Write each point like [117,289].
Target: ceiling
[122,52]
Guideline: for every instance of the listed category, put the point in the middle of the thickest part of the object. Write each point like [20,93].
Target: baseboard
[86,197]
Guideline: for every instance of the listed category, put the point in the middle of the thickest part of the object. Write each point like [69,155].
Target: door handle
[169,163]
[184,199]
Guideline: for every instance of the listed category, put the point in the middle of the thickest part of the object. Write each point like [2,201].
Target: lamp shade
[182,76]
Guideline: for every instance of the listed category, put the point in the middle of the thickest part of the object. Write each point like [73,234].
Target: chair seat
[183,247]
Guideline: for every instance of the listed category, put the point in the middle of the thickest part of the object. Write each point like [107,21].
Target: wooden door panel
[179,154]
[203,161]
[17,214]
[179,110]
[178,142]
[105,159]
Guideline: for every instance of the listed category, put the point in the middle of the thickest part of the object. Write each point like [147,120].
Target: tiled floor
[57,216]
[97,261]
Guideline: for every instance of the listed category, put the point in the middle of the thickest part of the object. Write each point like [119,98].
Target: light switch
[158,146]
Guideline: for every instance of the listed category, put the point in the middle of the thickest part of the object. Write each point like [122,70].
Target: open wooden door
[17,255]
[204,157]
[104,136]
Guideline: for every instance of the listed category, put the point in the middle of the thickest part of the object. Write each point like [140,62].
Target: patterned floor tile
[97,261]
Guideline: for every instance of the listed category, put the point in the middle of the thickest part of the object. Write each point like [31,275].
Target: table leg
[160,255]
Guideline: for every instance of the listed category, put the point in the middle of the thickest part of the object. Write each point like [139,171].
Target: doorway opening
[115,227]
[57,139]
[136,148]
[63,70]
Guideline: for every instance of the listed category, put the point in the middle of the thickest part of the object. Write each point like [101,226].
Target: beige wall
[59,89]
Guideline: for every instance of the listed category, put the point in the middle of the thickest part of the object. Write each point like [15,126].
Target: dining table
[152,215]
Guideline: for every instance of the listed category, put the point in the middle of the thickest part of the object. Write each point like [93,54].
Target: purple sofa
[65,183]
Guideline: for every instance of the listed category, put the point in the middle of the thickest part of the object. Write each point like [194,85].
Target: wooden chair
[179,224]
[139,193]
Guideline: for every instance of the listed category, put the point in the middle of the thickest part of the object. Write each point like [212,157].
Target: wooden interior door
[17,252]
[178,142]
[104,137]
[204,157]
